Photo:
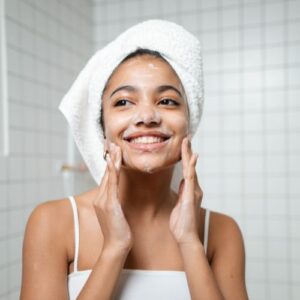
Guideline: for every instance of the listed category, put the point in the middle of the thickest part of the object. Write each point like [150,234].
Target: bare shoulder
[50,221]
[228,255]
[51,215]
[224,230]
[44,254]
[223,224]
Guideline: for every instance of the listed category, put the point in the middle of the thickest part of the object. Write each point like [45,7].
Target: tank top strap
[76,231]
[206,229]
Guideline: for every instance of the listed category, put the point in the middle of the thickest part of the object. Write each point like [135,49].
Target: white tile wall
[47,44]
[250,128]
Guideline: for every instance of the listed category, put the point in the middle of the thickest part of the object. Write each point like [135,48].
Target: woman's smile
[147,143]
[150,140]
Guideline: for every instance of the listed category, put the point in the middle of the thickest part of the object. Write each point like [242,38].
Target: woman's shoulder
[50,218]
[50,210]
[221,219]
[56,215]
[61,208]
[224,231]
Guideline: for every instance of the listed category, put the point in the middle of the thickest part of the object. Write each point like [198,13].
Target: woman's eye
[121,102]
[166,101]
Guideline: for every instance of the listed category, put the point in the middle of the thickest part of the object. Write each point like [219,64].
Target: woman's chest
[152,250]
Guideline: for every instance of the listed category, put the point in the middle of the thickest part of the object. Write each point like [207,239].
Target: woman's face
[144,97]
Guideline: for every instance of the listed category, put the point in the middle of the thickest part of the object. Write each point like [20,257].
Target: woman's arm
[102,280]
[44,266]
[116,232]
[228,262]
[201,281]
[225,278]
[45,259]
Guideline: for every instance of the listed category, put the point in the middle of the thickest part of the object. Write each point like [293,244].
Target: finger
[192,165]
[118,158]
[113,154]
[103,178]
[189,148]
[190,180]
[187,155]
[181,185]
[112,180]
[184,156]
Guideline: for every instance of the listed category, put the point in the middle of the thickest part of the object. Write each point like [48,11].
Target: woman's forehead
[145,69]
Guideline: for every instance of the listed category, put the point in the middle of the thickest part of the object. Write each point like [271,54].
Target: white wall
[249,165]
[47,44]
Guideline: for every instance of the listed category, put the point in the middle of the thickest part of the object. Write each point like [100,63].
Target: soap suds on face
[146,166]
[137,117]
[153,66]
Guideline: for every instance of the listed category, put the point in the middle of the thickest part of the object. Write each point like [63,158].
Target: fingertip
[195,158]
[108,160]
[119,158]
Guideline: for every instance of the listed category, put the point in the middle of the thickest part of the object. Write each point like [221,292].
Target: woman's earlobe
[105,148]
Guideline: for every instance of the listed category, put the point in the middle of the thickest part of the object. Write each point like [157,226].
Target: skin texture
[133,219]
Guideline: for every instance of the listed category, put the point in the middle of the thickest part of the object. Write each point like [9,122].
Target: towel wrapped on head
[82,104]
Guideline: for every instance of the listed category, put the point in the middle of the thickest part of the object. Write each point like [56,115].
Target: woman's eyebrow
[159,89]
[163,88]
[128,88]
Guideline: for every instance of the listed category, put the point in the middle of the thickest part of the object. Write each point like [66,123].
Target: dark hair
[138,52]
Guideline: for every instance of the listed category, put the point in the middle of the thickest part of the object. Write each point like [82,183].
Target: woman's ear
[106,147]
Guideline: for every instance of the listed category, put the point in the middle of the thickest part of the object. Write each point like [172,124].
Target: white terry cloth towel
[81,105]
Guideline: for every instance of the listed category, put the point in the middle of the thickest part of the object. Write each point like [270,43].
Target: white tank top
[135,284]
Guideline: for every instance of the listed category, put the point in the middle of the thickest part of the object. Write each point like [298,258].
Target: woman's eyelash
[175,103]
[119,101]
[123,100]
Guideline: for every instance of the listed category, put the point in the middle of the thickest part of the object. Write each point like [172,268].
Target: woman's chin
[149,167]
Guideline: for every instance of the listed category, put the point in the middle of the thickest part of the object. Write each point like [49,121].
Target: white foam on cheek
[125,156]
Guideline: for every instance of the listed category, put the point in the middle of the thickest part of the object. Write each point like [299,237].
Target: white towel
[81,105]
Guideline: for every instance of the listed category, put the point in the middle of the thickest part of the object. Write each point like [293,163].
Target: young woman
[139,239]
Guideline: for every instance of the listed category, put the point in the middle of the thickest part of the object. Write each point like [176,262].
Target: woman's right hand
[114,226]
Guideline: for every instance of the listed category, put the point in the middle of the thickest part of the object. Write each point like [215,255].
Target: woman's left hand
[185,216]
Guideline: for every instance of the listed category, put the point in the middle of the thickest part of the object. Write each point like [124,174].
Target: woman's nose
[147,114]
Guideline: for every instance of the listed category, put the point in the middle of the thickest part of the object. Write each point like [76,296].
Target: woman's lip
[148,147]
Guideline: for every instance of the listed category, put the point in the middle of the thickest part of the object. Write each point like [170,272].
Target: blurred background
[249,164]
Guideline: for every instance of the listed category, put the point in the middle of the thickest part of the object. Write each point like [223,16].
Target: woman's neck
[146,196]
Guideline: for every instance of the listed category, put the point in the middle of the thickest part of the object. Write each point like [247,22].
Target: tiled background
[249,164]
[48,42]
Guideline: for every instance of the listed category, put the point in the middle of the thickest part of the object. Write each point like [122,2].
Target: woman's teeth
[146,140]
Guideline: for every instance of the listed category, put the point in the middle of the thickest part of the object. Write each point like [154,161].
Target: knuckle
[109,207]
[190,176]
[198,193]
